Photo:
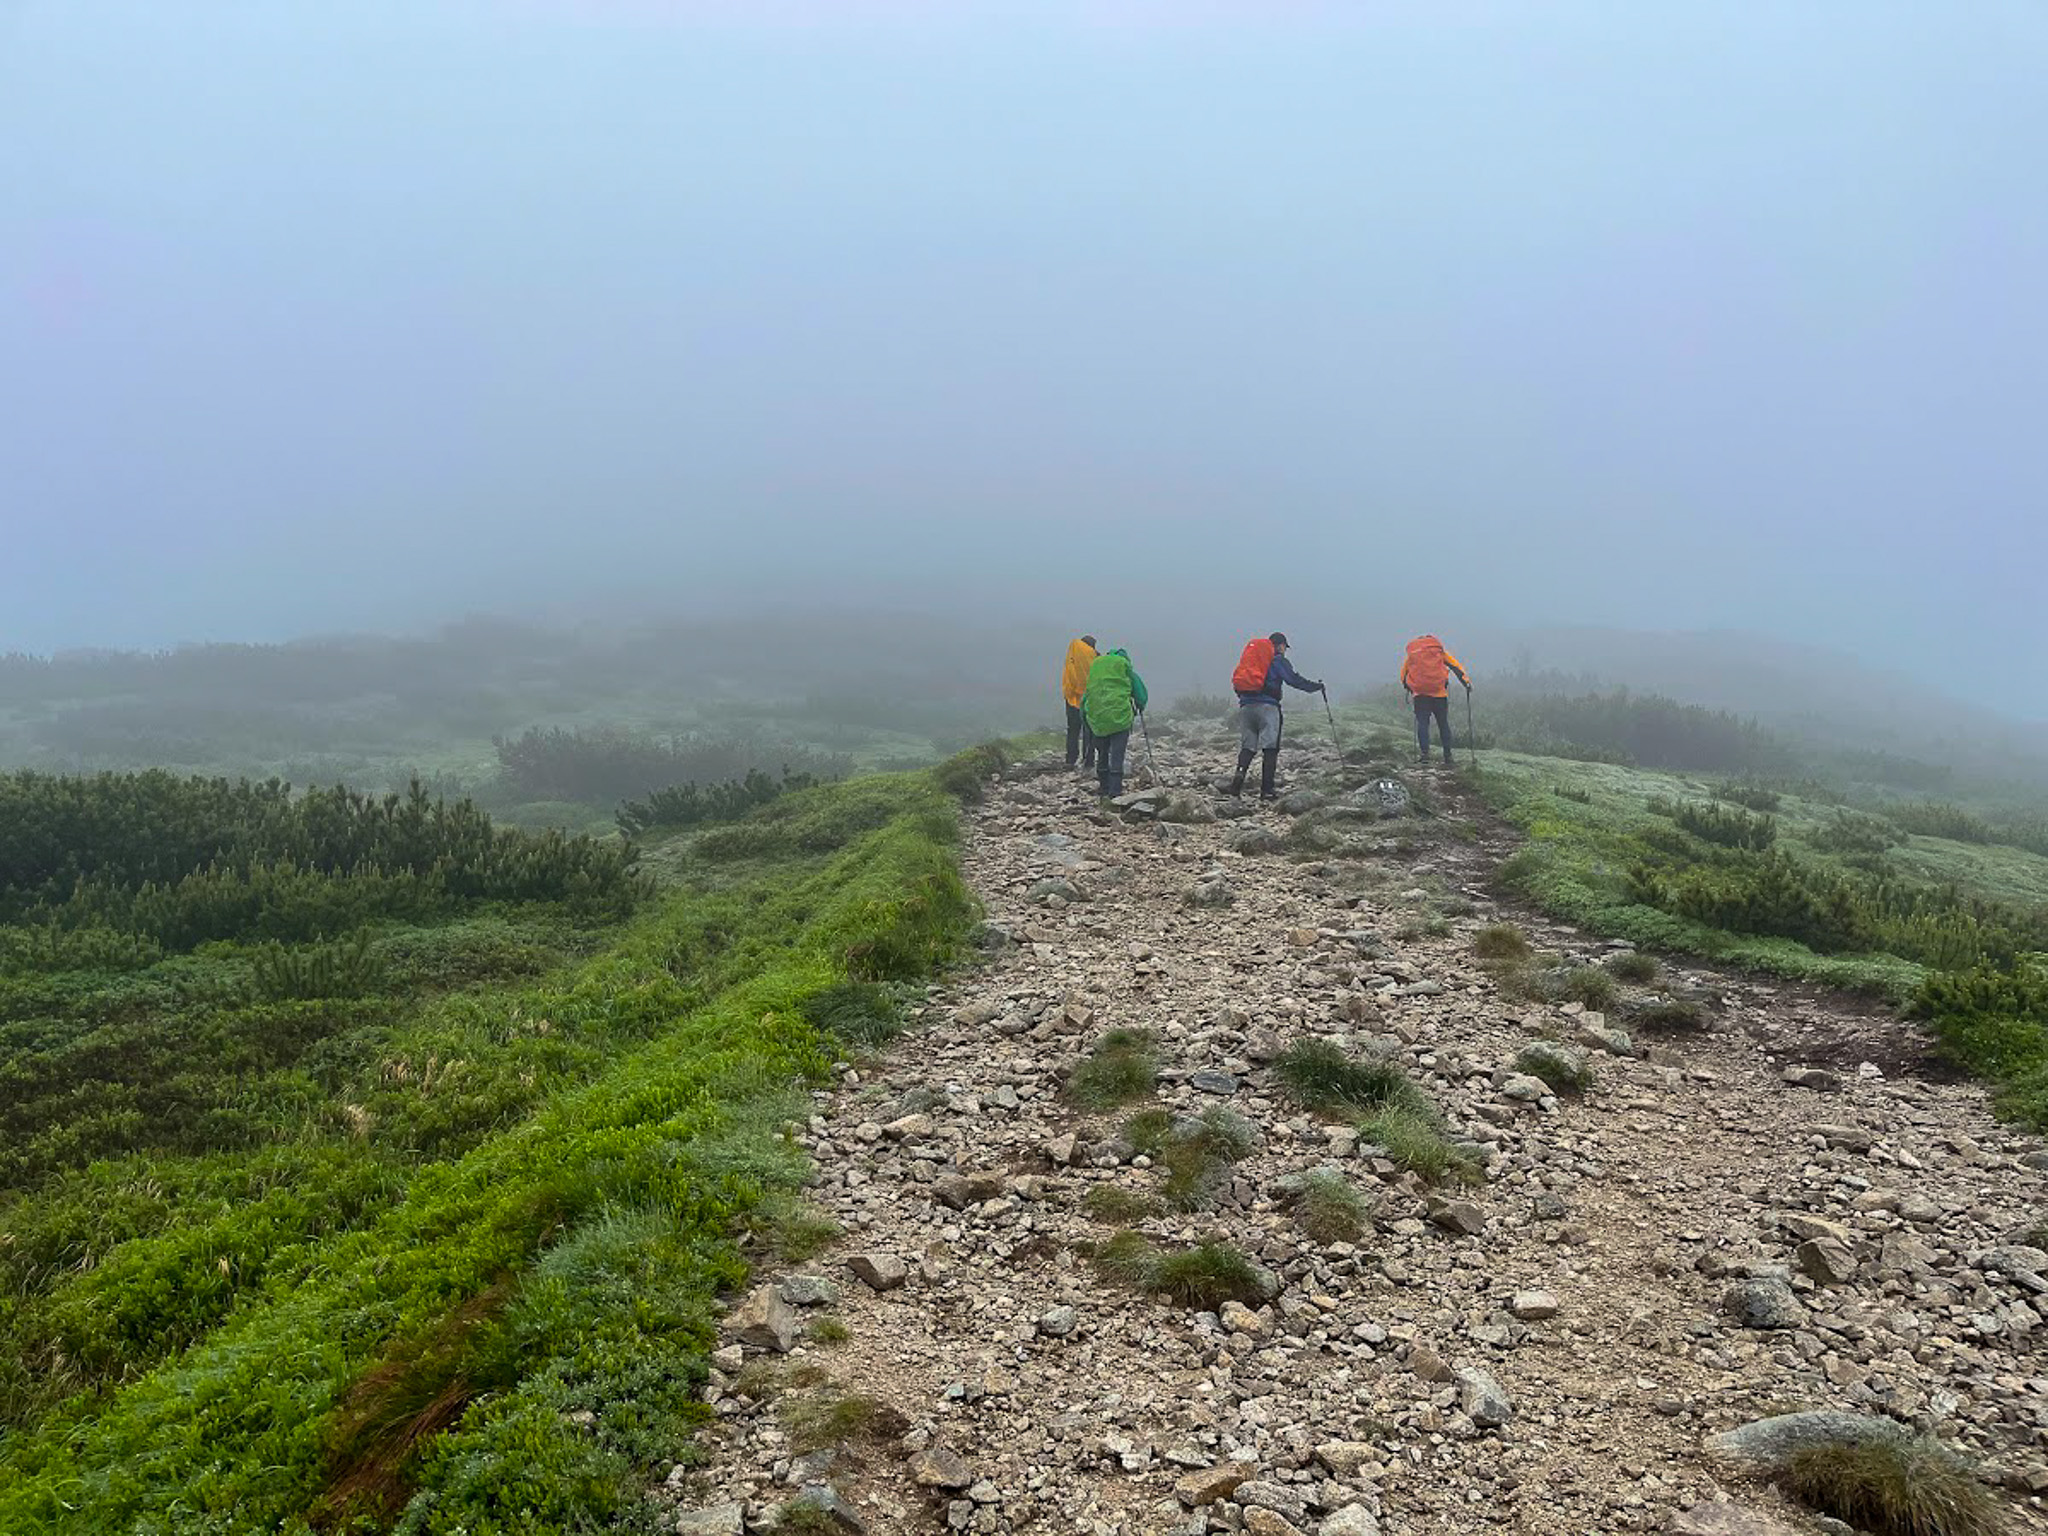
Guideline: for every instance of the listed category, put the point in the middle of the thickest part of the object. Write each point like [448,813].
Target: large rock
[764,1321]
[879,1271]
[1825,1260]
[1351,1520]
[940,1468]
[1208,1484]
[826,1500]
[1728,1520]
[1343,1458]
[714,1520]
[808,1291]
[1484,1401]
[1260,1521]
[1765,1304]
[1763,1444]
[1460,1216]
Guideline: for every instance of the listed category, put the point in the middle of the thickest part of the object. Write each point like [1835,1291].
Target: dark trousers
[1109,761]
[1080,740]
[1438,710]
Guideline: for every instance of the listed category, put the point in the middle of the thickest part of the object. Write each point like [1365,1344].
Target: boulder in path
[1351,1520]
[879,1271]
[1763,1444]
[940,1468]
[1208,1484]
[715,1520]
[1484,1401]
[1764,1304]
[764,1321]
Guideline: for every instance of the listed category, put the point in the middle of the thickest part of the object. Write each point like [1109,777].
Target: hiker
[1074,683]
[1261,672]
[1114,698]
[1426,674]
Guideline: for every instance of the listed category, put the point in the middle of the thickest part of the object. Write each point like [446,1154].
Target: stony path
[1544,1352]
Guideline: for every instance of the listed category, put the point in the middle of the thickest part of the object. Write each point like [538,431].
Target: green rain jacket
[1114,691]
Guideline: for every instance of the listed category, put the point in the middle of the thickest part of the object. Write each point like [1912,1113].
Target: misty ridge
[552,723]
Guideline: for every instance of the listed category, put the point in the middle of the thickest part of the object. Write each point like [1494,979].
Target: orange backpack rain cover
[1427,671]
[1253,666]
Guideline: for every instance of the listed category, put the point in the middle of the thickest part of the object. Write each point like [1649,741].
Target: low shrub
[1633,967]
[1749,795]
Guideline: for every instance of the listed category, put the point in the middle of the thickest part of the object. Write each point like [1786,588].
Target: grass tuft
[1634,967]
[828,1330]
[815,1423]
[1198,1154]
[1147,1131]
[1118,1206]
[1905,1487]
[1415,1142]
[1120,1068]
[1500,941]
[1320,1075]
[1589,984]
[1668,1013]
[1331,1209]
[1203,1277]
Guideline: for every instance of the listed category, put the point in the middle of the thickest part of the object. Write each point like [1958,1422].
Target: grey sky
[336,315]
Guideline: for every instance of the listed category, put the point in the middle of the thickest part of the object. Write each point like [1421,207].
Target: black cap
[1088,640]
[1277,638]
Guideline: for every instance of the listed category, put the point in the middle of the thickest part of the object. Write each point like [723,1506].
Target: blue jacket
[1280,672]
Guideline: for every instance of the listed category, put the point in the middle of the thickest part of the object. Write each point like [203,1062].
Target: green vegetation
[1668,1014]
[1203,1277]
[1120,1068]
[1923,902]
[1414,1140]
[681,806]
[1567,1073]
[382,1168]
[1500,941]
[828,1419]
[1323,1077]
[1634,967]
[1907,1486]
[1118,1207]
[1331,1209]
[1197,1153]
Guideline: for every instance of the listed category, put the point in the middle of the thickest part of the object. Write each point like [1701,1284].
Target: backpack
[1252,666]
[1427,672]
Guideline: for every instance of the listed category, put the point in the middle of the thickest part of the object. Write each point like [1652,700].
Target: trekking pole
[1146,731]
[1471,736]
[1339,740]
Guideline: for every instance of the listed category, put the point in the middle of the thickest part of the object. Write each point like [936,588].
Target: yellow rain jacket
[1074,679]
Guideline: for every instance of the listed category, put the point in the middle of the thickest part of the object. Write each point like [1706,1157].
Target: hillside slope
[1544,1349]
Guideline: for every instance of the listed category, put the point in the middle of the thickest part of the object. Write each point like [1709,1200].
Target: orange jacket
[1074,677]
[1426,669]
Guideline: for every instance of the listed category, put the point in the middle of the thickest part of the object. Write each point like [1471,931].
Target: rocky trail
[1773,1213]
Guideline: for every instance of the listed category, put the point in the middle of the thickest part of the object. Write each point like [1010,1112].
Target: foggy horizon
[1473,321]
